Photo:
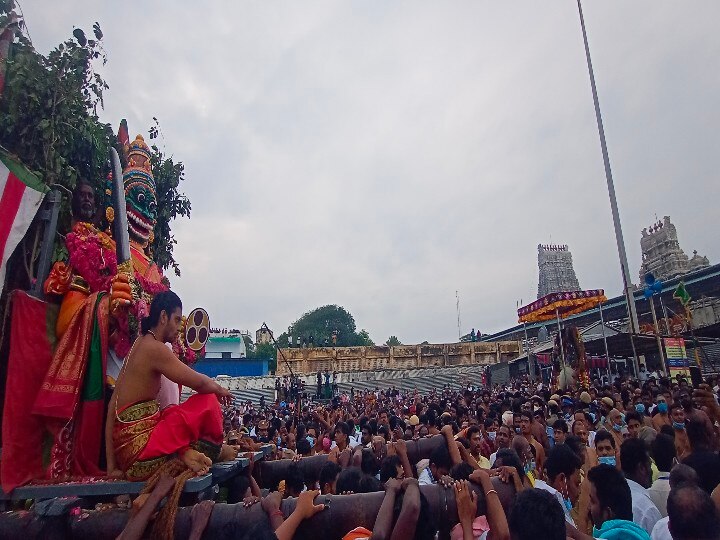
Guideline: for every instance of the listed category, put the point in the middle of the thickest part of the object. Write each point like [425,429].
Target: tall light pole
[627,282]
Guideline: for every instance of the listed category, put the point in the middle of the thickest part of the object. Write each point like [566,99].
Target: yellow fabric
[569,307]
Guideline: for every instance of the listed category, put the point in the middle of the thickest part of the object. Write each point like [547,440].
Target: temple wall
[311,360]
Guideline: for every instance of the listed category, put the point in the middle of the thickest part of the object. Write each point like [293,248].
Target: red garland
[93,259]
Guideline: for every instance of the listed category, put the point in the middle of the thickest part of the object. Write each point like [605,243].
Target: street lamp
[627,282]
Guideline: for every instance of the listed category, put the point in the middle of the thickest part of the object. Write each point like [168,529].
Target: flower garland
[92,256]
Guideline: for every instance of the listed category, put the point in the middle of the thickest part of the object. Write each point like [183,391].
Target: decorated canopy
[562,304]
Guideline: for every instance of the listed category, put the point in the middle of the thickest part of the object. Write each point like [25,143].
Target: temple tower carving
[662,255]
[556,270]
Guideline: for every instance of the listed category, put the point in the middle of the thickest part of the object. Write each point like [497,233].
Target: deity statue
[99,317]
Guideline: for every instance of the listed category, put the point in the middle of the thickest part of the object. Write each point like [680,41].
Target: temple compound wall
[311,360]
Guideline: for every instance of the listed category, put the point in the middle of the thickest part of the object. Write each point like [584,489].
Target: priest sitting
[139,436]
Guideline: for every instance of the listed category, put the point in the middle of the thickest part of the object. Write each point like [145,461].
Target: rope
[164,526]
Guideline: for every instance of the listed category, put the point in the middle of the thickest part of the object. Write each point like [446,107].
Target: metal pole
[657,335]
[627,282]
[665,317]
[457,306]
[607,353]
[562,347]
[531,363]
[50,217]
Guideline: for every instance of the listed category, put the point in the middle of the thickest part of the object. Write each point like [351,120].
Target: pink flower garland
[92,257]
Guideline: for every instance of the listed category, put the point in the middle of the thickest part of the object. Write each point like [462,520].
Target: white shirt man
[540,484]
[645,513]
[661,530]
[659,492]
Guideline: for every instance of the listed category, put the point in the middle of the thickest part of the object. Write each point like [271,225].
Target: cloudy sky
[382,155]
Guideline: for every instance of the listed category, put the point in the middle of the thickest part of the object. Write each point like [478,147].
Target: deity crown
[138,161]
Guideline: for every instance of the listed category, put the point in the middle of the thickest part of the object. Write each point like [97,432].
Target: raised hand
[466,501]
[306,506]
[120,292]
[393,485]
[272,502]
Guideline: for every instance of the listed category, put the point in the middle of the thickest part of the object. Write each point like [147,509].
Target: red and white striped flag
[20,196]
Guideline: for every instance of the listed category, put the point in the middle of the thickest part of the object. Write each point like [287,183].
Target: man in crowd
[502,440]
[526,422]
[663,452]
[635,463]
[562,468]
[611,506]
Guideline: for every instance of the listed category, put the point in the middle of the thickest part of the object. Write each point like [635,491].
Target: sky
[383,155]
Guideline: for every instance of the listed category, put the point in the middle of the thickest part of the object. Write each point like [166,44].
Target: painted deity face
[140,194]
[141,210]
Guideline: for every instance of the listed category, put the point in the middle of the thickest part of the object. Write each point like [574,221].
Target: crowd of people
[633,459]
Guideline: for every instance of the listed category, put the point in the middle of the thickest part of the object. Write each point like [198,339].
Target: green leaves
[49,121]
[171,204]
[320,323]
[80,36]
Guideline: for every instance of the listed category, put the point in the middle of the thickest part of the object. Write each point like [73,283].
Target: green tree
[267,351]
[393,341]
[249,347]
[363,338]
[320,323]
[49,121]
[170,204]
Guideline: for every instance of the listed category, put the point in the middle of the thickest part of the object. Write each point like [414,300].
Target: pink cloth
[169,393]
[480,525]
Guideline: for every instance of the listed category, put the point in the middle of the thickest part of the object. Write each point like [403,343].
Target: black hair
[368,465]
[369,484]
[561,425]
[663,451]
[633,415]
[488,422]
[574,443]
[303,446]
[465,442]
[561,459]
[698,437]
[328,473]
[633,454]
[349,480]
[603,435]
[166,301]
[294,479]
[440,457]
[472,430]
[692,514]
[388,468]
[461,471]
[612,490]
[510,458]
[343,428]
[548,522]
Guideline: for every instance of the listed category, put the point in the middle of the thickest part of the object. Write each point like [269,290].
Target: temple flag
[21,193]
[682,294]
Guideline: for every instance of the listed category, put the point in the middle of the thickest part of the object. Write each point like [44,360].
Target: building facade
[311,360]
[263,335]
